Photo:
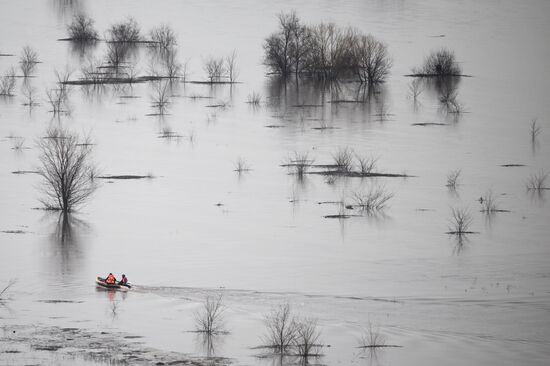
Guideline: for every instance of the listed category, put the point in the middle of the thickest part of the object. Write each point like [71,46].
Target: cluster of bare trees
[290,335]
[7,82]
[325,51]
[220,69]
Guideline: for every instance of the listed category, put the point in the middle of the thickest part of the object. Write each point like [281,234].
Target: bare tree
[125,32]
[214,68]
[231,66]
[82,29]
[279,48]
[241,165]
[461,220]
[210,318]
[66,169]
[453,178]
[28,61]
[30,95]
[163,37]
[281,329]
[372,338]
[440,62]
[537,181]
[371,59]
[307,339]
[7,82]
[59,97]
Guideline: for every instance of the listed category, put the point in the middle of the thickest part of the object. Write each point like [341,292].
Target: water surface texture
[197,227]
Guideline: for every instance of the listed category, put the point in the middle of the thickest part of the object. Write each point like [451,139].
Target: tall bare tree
[372,60]
[66,169]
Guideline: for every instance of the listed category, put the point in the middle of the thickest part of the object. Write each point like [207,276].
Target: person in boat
[111,280]
[123,280]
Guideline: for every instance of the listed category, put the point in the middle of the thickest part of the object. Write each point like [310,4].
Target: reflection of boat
[100,281]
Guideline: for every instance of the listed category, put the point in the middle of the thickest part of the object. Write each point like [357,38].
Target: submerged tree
[82,29]
[441,62]
[66,169]
[372,61]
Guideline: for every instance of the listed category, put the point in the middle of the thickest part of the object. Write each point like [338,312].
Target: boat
[100,282]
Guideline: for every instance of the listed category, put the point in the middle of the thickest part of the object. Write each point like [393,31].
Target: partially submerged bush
[537,181]
[343,160]
[325,51]
[125,32]
[214,68]
[28,60]
[441,62]
[82,29]
[372,201]
[461,220]
[209,319]
[281,329]
[7,82]
[163,37]
[453,179]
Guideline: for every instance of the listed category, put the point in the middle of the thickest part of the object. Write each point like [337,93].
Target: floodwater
[260,237]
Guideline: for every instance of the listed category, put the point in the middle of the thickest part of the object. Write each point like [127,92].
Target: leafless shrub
[11,282]
[241,165]
[374,200]
[161,97]
[281,329]
[231,66]
[66,169]
[255,98]
[163,37]
[28,61]
[300,163]
[29,94]
[343,160]
[59,97]
[371,60]
[537,181]
[7,82]
[307,339]
[372,338]
[82,29]
[214,68]
[453,178]
[124,32]
[534,130]
[117,57]
[440,62]
[460,222]
[488,203]
[210,318]
[366,164]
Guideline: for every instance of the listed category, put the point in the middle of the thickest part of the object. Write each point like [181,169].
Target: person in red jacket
[111,280]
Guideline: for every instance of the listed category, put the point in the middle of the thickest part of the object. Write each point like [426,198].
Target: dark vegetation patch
[275,126]
[14,231]
[512,165]
[25,172]
[424,124]
[125,176]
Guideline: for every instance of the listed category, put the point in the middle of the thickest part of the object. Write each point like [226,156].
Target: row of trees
[325,51]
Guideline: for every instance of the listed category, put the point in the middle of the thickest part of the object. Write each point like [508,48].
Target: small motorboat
[100,282]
